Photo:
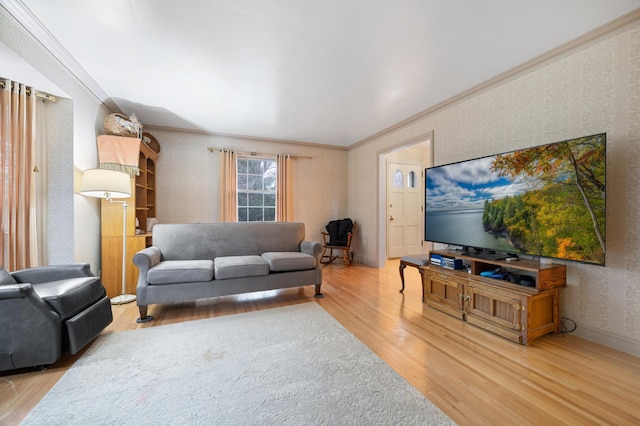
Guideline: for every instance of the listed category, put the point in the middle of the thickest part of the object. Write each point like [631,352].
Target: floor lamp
[110,184]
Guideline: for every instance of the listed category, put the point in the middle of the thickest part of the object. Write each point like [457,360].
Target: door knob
[391,218]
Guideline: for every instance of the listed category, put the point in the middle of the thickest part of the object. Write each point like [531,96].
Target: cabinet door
[497,310]
[445,291]
[543,314]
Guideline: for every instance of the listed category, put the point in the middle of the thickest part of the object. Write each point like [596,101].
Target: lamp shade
[107,184]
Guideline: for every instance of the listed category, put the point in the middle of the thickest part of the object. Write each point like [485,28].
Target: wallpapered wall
[591,89]
[187,178]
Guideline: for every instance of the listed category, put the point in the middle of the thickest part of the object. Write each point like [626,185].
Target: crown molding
[25,18]
[244,137]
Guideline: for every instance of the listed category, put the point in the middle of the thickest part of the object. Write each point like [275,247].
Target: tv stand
[519,310]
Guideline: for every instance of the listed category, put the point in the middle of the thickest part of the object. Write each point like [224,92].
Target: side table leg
[402,266]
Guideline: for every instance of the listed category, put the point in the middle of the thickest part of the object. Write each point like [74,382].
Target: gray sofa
[194,261]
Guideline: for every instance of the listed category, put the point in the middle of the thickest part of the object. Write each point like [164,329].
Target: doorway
[404,208]
[396,241]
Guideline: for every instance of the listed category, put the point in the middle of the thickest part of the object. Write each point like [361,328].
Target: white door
[404,209]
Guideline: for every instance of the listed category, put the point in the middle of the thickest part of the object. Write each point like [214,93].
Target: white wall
[187,178]
[594,88]
[414,154]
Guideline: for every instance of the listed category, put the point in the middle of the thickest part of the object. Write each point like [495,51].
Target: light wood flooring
[475,377]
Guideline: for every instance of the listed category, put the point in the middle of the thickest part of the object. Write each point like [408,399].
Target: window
[256,180]
[398,179]
[411,179]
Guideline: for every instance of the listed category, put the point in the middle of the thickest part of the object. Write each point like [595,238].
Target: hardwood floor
[472,375]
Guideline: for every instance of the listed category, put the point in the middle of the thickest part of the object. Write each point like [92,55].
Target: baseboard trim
[614,341]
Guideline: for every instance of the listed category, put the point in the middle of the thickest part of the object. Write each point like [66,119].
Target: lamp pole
[123,297]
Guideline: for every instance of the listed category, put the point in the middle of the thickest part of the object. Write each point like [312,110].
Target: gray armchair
[48,309]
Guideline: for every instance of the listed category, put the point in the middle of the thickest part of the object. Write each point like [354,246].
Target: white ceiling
[322,71]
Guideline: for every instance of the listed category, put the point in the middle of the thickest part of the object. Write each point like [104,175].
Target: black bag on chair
[339,231]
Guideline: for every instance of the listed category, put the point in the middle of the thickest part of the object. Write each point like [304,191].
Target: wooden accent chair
[338,237]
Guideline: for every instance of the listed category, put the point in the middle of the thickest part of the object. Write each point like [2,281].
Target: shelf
[546,275]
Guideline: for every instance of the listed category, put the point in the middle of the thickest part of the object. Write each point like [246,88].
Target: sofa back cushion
[5,277]
[200,241]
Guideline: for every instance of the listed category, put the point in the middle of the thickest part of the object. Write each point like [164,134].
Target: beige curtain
[39,207]
[17,140]
[228,187]
[284,188]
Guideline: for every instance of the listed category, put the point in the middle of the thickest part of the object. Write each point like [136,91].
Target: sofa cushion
[180,271]
[283,261]
[240,266]
[71,296]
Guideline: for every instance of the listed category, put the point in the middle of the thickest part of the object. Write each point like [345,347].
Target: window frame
[248,201]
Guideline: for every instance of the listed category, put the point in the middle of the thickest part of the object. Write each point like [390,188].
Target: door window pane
[398,179]
[411,180]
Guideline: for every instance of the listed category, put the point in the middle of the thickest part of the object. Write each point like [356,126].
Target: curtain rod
[254,154]
[38,94]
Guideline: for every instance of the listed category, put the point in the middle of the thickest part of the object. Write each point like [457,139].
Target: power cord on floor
[567,325]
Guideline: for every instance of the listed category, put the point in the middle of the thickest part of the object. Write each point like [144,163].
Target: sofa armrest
[25,291]
[312,248]
[33,332]
[43,274]
[14,291]
[146,259]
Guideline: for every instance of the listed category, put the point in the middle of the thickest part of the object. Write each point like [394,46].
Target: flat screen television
[546,201]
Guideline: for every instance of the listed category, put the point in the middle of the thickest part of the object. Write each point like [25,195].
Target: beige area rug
[294,365]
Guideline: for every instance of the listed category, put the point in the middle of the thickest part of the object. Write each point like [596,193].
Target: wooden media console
[515,311]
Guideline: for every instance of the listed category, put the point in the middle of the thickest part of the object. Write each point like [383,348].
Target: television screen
[546,201]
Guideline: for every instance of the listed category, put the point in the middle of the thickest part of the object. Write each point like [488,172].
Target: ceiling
[321,71]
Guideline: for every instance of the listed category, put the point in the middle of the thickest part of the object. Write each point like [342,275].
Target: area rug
[294,365]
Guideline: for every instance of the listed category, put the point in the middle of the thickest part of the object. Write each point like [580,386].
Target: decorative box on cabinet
[516,312]
[140,206]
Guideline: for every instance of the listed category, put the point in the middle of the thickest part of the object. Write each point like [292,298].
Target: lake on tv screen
[464,228]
